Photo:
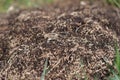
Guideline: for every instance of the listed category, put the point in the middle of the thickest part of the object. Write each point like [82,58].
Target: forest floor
[76,37]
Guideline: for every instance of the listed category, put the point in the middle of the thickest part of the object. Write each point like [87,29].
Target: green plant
[117,59]
[44,70]
[114,2]
[5,4]
[116,71]
[114,77]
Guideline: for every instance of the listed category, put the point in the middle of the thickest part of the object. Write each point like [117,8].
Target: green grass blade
[117,59]
[114,2]
[116,77]
[44,70]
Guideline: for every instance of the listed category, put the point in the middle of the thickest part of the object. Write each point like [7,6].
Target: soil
[76,37]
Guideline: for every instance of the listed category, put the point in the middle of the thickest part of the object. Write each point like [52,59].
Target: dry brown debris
[77,40]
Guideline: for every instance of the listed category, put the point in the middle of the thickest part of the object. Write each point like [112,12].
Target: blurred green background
[7,4]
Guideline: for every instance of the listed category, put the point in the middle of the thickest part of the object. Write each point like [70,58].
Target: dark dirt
[77,39]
